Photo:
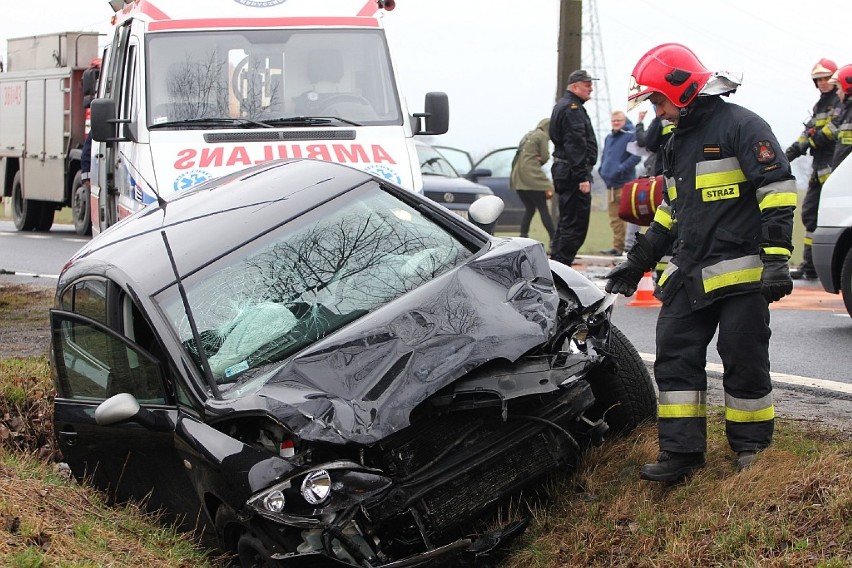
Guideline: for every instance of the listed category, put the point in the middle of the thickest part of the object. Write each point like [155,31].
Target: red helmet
[843,78]
[670,69]
[823,68]
[96,62]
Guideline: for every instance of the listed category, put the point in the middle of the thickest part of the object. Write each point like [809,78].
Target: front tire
[26,213]
[80,206]
[846,282]
[624,392]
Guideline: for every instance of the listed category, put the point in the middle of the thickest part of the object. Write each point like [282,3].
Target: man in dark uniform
[728,211]
[819,139]
[575,152]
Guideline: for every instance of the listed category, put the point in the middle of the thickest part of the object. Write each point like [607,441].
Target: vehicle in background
[442,183]
[42,128]
[349,375]
[192,91]
[492,170]
[832,240]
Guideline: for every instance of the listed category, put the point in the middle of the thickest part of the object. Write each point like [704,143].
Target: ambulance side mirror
[436,115]
[104,121]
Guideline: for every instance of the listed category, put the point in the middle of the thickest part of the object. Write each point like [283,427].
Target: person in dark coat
[529,180]
[842,123]
[728,212]
[574,155]
[818,139]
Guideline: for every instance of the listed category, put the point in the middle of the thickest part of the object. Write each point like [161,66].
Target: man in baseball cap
[575,153]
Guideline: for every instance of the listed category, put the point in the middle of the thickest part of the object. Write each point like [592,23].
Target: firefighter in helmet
[728,214]
[818,138]
[841,125]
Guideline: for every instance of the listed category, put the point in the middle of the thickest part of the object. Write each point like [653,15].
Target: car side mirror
[104,121]
[474,175]
[123,407]
[484,212]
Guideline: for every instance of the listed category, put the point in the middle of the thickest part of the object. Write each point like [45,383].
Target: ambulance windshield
[270,74]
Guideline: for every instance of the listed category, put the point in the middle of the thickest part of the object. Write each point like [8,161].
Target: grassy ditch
[791,509]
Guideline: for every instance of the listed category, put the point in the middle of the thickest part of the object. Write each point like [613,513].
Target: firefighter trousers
[743,344]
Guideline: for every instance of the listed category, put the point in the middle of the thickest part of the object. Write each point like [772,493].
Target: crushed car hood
[361,383]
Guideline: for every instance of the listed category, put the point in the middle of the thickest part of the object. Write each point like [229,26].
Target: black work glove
[624,278]
[775,283]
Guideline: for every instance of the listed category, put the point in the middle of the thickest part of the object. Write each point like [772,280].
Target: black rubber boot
[672,466]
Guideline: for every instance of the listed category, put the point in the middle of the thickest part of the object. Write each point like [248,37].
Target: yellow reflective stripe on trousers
[749,410]
[682,404]
[718,172]
[741,270]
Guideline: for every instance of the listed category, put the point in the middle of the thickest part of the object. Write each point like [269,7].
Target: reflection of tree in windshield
[198,88]
[355,262]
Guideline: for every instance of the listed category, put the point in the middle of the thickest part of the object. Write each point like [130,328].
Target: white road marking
[796,380]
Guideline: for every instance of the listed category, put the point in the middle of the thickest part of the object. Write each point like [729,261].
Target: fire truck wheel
[80,207]
[25,212]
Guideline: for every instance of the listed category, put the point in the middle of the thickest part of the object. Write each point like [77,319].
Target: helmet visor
[637,94]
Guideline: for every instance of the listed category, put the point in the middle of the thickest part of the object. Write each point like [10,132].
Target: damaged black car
[324,369]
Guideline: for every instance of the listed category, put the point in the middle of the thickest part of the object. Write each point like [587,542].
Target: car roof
[205,222]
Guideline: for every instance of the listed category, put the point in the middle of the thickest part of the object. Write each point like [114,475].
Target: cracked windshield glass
[267,300]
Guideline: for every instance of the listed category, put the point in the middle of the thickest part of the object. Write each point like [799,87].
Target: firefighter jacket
[842,128]
[575,148]
[818,136]
[729,201]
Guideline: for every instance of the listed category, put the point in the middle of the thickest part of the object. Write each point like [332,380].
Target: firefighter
[842,123]
[818,138]
[728,211]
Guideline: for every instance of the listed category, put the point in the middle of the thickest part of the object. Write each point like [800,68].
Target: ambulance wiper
[218,121]
[308,121]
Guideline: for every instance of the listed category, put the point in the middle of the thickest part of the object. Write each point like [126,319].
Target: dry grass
[792,508]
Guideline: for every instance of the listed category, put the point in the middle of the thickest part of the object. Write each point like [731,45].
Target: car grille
[495,460]
[442,197]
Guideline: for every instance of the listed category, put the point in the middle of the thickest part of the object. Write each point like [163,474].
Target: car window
[271,298]
[499,162]
[86,297]
[94,362]
[434,163]
[459,159]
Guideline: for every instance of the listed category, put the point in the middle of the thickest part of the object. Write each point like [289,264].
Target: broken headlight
[304,497]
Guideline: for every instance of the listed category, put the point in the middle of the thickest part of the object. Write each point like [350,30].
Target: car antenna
[208,374]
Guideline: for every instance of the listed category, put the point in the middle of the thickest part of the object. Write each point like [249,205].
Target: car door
[95,359]
[499,163]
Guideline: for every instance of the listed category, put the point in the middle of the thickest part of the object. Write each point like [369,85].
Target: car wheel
[846,282]
[80,207]
[624,392]
[26,213]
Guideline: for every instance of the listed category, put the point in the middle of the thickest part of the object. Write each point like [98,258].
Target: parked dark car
[442,183]
[328,370]
[492,170]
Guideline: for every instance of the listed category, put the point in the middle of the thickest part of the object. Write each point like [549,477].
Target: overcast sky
[497,59]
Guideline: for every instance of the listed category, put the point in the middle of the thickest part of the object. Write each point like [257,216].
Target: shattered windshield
[269,75]
[275,296]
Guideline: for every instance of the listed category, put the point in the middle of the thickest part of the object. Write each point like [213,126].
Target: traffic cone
[645,294]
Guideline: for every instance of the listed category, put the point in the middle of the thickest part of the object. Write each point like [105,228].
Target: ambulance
[191,91]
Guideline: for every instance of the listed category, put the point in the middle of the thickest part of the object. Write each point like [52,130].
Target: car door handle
[69,438]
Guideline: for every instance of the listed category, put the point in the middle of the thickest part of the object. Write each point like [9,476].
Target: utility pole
[570,42]
[568,57]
